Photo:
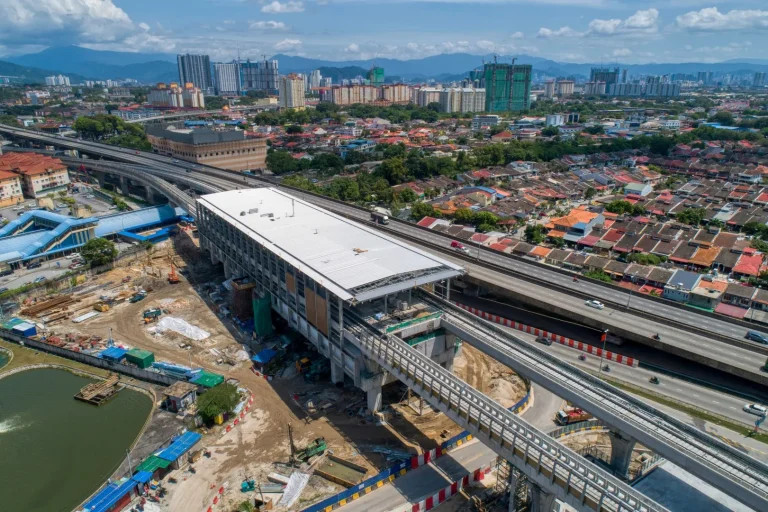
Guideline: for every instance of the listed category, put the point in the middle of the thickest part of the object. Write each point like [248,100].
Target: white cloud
[517,35]
[62,21]
[288,44]
[641,22]
[486,45]
[622,52]
[547,33]
[604,27]
[711,19]
[352,48]
[267,25]
[143,26]
[288,7]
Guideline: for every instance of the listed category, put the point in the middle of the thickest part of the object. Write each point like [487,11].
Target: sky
[623,31]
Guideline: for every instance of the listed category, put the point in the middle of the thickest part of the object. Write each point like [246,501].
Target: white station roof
[351,260]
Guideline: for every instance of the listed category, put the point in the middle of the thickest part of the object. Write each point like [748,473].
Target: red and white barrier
[263,375]
[562,340]
[430,502]
[426,457]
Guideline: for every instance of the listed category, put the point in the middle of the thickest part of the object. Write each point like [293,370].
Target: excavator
[173,277]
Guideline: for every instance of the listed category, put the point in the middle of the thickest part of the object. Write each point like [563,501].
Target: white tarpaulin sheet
[170,323]
[295,487]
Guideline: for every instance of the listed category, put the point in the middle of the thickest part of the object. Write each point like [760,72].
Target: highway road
[681,390]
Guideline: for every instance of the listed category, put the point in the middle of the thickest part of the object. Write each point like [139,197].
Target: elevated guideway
[712,460]
[552,466]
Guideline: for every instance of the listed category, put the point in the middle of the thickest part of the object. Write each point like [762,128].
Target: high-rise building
[549,89]
[174,96]
[260,76]
[227,77]
[507,87]
[313,80]
[705,77]
[759,79]
[594,88]
[624,76]
[376,76]
[56,80]
[565,88]
[607,75]
[291,92]
[195,69]
[326,81]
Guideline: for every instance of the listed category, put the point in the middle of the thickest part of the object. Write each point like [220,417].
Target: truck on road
[571,415]
[379,218]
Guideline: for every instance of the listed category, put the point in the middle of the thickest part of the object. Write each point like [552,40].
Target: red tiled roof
[749,264]
[730,310]
[426,222]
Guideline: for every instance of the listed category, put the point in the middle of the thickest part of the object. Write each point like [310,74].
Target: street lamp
[602,353]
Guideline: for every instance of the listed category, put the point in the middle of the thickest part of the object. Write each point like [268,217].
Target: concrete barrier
[562,340]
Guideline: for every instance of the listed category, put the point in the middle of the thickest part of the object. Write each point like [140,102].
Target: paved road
[705,398]
[426,480]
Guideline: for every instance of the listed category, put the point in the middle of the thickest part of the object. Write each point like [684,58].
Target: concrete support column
[149,194]
[124,187]
[621,452]
[541,500]
[374,400]
[448,365]
[102,178]
[337,372]
[513,504]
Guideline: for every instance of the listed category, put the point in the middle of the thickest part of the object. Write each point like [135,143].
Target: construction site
[172,311]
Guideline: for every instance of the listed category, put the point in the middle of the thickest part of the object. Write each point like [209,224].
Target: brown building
[40,175]
[225,149]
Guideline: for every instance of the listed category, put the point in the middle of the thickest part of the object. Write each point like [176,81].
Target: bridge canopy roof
[351,260]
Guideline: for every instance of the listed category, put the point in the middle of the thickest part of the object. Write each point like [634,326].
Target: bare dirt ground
[260,445]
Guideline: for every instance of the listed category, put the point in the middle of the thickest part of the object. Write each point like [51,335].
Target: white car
[756,409]
[594,304]
[74,255]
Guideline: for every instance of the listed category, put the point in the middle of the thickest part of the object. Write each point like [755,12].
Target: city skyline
[561,30]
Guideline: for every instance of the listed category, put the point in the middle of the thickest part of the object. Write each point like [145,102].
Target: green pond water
[56,451]
[4,358]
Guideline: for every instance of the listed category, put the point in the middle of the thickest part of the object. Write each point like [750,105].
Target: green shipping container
[262,315]
[141,358]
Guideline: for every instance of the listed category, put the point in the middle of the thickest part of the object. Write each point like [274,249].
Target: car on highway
[458,246]
[758,337]
[759,410]
[544,340]
[175,161]
[594,304]
[40,279]
[17,208]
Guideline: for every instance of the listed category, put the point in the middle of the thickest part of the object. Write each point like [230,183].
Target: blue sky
[627,31]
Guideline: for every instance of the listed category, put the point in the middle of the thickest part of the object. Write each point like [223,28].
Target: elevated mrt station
[330,277]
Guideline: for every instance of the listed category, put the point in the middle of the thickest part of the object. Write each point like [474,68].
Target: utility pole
[293,446]
[602,353]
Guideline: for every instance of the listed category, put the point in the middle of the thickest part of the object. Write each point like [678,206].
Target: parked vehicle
[758,337]
[379,218]
[571,415]
[34,264]
[544,340]
[458,246]
[6,272]
[40,279]
[759,410]
[3,290]
[73,256]
[594,304]
[75,266]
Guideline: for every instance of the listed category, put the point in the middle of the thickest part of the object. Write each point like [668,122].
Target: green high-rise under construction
[507,87]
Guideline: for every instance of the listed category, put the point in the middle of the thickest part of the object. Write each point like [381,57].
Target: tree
[9,120]
[599,275]
[716,223]
[486,218]
[534,233]
[421,210]
[691,216]
[619,207]
[550,131]
[590,193]
[595,130]
[464,216]
[99,251]
[406,195]
[281,162]
[557,242]
[218,400]
[214,102]
[393,170]
[294,129]
[724,118]
[660,145]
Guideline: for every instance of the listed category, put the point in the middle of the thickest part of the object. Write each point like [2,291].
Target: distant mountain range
[30,75]
[78,62]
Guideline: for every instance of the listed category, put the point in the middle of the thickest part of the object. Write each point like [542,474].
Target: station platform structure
[41,234]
